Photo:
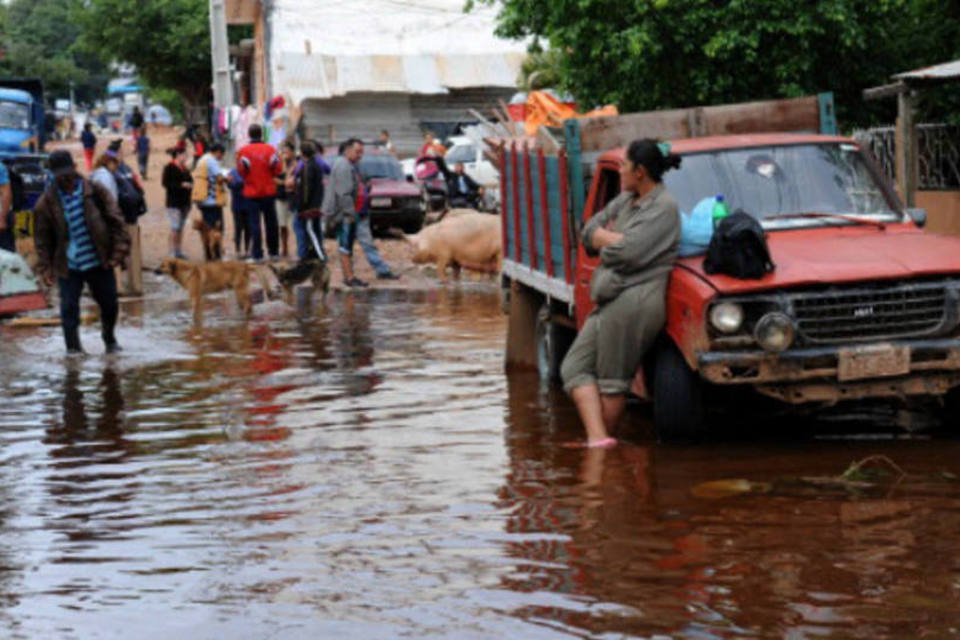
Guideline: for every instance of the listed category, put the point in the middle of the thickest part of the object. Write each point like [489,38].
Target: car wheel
[553,341]
[678,407]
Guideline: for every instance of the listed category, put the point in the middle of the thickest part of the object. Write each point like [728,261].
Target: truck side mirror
[919,216]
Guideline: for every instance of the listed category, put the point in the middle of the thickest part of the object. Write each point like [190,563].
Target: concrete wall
[943,210]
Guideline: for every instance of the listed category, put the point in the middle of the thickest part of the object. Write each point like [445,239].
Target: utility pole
[220,56]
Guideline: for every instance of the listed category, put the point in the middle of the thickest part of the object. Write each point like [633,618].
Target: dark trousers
[267,209]
[103,286]
[7,240]
[241,233]
[212,216]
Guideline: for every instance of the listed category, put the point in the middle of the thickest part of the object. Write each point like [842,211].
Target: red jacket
[259,163]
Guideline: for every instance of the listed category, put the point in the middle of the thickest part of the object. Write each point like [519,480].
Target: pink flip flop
[605,443]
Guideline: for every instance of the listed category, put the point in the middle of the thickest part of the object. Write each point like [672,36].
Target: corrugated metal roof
[937,73]
[325,49]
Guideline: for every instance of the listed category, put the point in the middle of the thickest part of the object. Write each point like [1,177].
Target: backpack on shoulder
[738,248]
[130,199]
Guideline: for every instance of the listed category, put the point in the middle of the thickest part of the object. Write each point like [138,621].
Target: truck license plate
[875,361]
[380,202]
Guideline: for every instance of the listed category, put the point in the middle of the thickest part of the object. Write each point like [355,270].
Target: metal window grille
[938,151]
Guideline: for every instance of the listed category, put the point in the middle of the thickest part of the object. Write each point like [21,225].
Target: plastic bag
[696,228]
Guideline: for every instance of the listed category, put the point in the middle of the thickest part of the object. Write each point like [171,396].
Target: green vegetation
[38,39]
[652,54]
[167,40]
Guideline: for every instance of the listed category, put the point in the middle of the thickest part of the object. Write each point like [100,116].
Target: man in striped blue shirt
[80,236]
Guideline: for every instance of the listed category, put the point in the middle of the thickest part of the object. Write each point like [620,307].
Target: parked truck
[23,136]
[22,139]
[863,303]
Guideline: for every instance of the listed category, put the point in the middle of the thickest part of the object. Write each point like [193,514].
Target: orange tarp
[544,109]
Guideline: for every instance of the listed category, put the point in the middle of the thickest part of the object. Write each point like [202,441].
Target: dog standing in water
[315,270]
[211,277]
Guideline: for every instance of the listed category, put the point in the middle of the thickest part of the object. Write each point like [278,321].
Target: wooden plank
[529,188]
[568,257]
[545,213]
[796,114]
[514,179]
[610,132]
[504,209]
[555,214]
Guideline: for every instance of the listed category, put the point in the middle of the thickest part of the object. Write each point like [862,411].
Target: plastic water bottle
[720,210]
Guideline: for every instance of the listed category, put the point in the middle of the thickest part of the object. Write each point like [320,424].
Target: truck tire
[553,341]
[678,408]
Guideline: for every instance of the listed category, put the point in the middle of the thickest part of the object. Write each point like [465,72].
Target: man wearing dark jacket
[80,236]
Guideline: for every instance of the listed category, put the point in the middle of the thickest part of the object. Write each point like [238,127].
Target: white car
[462,149]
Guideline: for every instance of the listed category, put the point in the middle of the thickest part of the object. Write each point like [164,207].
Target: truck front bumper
[829,374]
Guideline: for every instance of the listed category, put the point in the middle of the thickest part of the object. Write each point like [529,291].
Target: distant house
[354,68]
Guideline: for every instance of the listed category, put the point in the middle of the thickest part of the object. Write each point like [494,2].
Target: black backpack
[738,248]
[129,198]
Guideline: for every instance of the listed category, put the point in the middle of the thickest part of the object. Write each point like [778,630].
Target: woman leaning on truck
[636,236]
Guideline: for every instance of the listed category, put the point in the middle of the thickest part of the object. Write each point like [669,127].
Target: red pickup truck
[862,304]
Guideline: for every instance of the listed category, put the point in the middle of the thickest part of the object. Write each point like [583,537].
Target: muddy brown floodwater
[366,470]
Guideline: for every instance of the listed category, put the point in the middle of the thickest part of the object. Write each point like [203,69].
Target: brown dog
[314,270]
[199,279]
[212,239]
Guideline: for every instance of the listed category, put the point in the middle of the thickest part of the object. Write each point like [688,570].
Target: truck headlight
[774,332]
[726,317]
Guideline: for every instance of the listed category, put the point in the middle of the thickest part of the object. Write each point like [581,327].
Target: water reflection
[363,469]
[619,532]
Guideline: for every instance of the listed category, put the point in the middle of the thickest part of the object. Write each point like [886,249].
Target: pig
[464,238]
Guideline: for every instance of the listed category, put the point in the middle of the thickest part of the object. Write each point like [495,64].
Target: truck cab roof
[15,95]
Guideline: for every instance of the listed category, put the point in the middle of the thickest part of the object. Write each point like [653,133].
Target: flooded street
[366,470]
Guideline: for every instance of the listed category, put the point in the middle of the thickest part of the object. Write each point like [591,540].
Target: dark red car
[394,202]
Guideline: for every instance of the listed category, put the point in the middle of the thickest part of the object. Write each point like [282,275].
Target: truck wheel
[552,341]
[678,409]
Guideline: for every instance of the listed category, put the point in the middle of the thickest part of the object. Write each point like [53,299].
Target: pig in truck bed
[863,303]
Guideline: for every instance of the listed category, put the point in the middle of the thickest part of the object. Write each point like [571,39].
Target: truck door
[605,187]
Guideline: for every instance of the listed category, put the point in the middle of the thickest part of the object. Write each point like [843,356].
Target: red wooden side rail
[565,213]
[516,203]
[504,209]
[545,212]
[531,237]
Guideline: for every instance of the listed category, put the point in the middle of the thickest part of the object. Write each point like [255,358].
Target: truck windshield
[788,179]
[14,115]
[465,153]
[381,167]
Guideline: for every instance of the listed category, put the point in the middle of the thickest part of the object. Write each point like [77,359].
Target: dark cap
[115,144]
[61,163]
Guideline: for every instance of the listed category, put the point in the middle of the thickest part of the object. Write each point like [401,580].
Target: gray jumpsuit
[629,288]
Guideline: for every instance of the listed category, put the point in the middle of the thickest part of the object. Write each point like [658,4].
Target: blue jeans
[267,207]
[103,286]
[365,238]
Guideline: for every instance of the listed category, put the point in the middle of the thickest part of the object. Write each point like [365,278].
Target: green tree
[167,40]
[39,40]
[653,54]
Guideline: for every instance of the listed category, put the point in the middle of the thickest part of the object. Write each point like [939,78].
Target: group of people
[277,198]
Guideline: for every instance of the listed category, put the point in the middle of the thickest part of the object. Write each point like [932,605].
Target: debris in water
[717,489]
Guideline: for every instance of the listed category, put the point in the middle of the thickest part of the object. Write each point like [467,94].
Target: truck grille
[871,313]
